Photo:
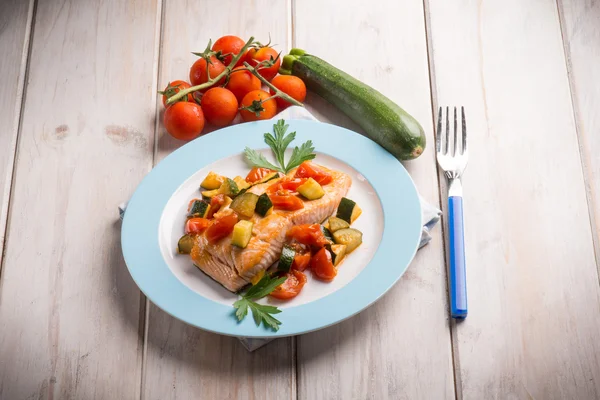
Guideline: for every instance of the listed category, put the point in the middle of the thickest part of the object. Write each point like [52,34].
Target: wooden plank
[183,361]
[580,23]
[69,310]
[399,347]
[15,30]
[533,285]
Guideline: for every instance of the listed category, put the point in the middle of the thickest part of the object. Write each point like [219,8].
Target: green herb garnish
[279,143]
[261,313]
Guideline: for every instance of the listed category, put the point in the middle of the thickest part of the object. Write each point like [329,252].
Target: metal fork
[452,157]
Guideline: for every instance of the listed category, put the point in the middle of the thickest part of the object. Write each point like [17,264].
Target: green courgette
[199,209]
[352,238]
[185,244]
[348,210]
[263,205]
[382,119]
[242,233]
[245,204]
[335,224]
[286,259]
[338,251]
[311,190]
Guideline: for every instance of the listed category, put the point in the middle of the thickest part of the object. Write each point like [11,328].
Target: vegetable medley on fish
[269,229]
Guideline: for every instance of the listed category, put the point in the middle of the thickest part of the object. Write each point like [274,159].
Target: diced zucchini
[263,205]
[338,251]
[268,177]
[355,213]
[242,233]
[185,244]
[286,259]
[348,210]
[245,204]
[257,277]
[241,183]
[229,188]
[212,181]
[209,194]
[352,238]
[335,224]
[199,209]
[327,233]
[311,189]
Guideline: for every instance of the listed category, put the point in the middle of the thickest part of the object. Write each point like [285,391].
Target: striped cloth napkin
[430,216]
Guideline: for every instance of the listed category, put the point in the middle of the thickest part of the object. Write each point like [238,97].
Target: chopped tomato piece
[286,202]
[286,185]
[196,225]
[221,227]
[215,205]
[308,234]
[291,287]
[310,170]
[321,265]
[301,262]
[256,174]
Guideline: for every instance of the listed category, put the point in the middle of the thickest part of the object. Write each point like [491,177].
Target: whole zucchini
[382,119]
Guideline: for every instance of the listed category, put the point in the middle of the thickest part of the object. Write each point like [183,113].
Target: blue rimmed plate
[391,226]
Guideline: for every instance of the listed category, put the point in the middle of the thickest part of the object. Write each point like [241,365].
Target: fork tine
[447,132]
[438,135]
[464,131]
[455,143]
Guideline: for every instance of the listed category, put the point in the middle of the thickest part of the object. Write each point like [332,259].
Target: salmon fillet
[234,267]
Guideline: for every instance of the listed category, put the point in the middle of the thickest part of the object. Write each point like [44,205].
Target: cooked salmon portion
[234,267]
[316,211]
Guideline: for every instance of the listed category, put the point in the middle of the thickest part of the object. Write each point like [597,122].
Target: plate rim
[136,235]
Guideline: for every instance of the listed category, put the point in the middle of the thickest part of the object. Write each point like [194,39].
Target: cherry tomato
[286,202]
[321,265]
[301,261]
[310,170]
[198,74]
[308,234]
[221,227]
[229,46]
[215,205]
[176,86]
[291,287]
[269,106]
[219,106]
[256,174]
[242,82]
[196,225]
[290,85]
[184,120]
[286,186]
[255,56]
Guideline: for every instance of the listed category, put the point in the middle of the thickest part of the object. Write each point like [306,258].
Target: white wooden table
[80,127]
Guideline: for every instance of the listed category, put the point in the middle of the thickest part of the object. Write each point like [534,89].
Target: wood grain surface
[182,361]
[69,311]
[81,123]
[532,280]
[400,347]
[580,22]
[15,30]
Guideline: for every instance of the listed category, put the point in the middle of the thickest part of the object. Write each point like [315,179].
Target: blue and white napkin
[430,215]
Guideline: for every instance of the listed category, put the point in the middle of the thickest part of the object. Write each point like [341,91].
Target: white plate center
[370,223]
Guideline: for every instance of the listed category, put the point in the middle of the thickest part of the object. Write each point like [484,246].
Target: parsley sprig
[279,143]
[260,312]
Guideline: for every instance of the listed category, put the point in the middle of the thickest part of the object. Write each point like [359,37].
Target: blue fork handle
[458,281]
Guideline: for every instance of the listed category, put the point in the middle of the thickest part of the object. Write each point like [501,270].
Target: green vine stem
[212,81]
[278,93]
